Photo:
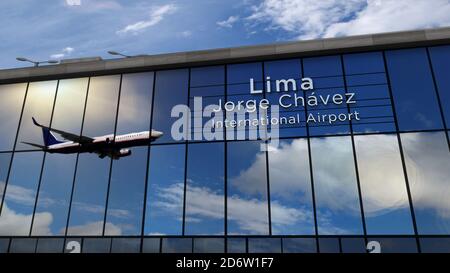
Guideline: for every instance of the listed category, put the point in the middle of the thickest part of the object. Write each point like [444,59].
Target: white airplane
[107,145]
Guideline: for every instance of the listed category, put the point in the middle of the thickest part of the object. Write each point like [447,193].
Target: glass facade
[325,186]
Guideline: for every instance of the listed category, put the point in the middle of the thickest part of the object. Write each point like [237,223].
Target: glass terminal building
[376,180]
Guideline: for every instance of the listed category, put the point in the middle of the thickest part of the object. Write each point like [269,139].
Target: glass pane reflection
[383,187]
[336,189]
[427,162]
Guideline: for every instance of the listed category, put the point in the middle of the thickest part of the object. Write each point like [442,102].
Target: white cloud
[73,2]
[157,14]
[228,23]
[93,5]
[16,224]
[308,19]
[67,51]
[94,228]
[185,34]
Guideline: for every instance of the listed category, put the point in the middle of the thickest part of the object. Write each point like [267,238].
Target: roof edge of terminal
[360,43]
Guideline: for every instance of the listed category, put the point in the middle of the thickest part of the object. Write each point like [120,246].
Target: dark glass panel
[23,245]
[209,245]
[96,245]
[440,57]
[208,75]
[236,245]
[4,245]
[413,90]
[177,245]
[50,245]
[322,66]
[396,245]
[241,73]
[353,245]
[329,245]
[358,63]
[151,245]
[264,245]
[126,245]
[435,245]
[299,245]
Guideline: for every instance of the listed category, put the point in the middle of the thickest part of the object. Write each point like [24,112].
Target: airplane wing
[67,135]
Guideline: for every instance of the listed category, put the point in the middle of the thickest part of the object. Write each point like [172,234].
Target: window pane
[126,245]
[440,57]
[209,245]
[359,63]
[383,187]
[329,245]
[290,188]
[264,245]
[164,213]
[128,175]
[58,172]
[96,245]
[241,73]
[50,245]
[151,245]
[177,245]
[208,75]
[427,162]
[205,199]
[4,245]
[126,195]
[92,174]
[299,245]
[435,245]
[38,104]
[20,197]
[236,245]
[171,89]
[23,245]
[11,102]
[413,90]
[353,245]
[286,69]
[396,245]
[336,189]
[5,159]
[247,189]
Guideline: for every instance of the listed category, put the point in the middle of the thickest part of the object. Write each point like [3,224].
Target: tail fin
[49,138]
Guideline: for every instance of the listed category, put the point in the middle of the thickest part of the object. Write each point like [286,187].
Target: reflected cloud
[94,228]
[13,223]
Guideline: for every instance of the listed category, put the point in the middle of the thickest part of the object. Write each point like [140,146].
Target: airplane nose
[156,133]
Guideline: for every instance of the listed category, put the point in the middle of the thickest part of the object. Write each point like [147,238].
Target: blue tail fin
[49,138]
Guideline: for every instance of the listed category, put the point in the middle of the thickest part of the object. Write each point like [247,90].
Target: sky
[61,29]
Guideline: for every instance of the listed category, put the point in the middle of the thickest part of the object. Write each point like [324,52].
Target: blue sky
[55,29]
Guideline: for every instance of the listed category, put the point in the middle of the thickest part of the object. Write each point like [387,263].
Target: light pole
[36,63]
[124,55]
